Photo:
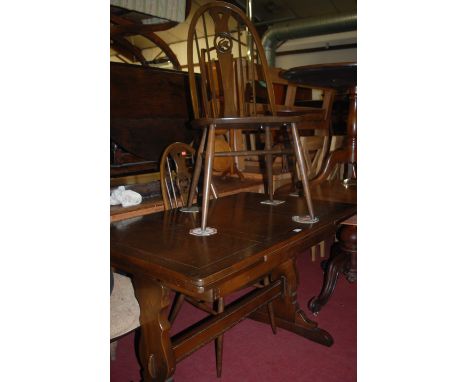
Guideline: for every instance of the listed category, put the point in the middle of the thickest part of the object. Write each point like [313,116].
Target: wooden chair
[176,167]
[226,98]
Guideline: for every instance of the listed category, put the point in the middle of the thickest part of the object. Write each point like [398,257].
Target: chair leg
[322,249]
[271,313]
[113,350]
[197,170]
[269,164]
[176,305]
[207,179]
[219,341]
[302,169]
[313,251]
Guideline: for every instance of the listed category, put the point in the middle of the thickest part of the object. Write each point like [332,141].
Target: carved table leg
[155,349]
[342,260]
[288,314]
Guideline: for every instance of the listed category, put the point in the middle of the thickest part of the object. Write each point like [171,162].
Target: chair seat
[124,308]
[253,122]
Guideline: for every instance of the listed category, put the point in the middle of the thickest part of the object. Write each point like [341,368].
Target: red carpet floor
[253,353]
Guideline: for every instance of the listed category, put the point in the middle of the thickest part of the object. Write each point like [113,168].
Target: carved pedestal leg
[342,260]
[288,314]
[155,349]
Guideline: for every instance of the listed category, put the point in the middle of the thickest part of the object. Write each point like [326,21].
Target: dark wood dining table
[343,250]
[254,241]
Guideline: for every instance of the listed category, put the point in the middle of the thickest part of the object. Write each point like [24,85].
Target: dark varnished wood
[338,76]
[342,260]
[343,253]
[142,121]
[156,356]
[253,240]
[341,75]
[330,190]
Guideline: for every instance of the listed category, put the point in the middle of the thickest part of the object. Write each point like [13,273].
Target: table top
[338,75]
[159,244]
[330,190]
[224,187]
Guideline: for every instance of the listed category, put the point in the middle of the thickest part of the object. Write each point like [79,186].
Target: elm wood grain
[253,241]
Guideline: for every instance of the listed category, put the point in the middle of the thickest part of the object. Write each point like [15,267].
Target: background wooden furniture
[338,76]
[176,169]
[156,250]
[149,109]
[343,259]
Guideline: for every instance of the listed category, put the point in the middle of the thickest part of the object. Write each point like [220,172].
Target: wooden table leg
[288,314]
[342,260]
[155,348]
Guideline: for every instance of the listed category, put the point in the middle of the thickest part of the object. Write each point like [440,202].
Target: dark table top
[160,244]
[338,75]
[330,190]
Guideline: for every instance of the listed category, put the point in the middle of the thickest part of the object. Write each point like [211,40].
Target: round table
[336,76]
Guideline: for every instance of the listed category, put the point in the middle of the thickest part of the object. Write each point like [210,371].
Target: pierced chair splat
[227,99]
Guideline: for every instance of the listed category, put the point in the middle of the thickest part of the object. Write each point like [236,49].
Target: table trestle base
[206,330]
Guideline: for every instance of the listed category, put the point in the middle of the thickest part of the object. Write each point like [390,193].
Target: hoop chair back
[176,167]
[227,97]
[217,45]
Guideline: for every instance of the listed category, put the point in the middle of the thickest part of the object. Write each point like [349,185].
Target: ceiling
[265,13]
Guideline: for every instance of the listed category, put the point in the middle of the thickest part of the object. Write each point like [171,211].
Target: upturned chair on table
[226,98]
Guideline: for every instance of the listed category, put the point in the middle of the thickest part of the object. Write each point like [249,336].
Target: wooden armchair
[225,100]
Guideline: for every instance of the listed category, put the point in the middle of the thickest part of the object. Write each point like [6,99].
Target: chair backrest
[216,43]
[337,142]
[298,97]
[176,167]
[314,150]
